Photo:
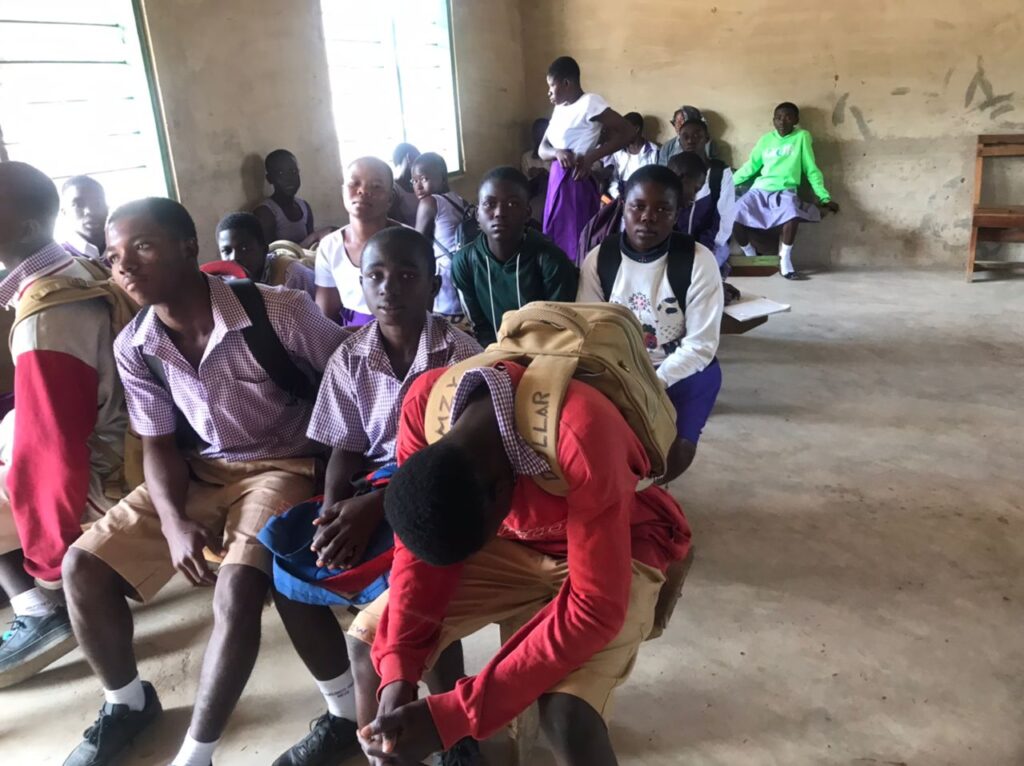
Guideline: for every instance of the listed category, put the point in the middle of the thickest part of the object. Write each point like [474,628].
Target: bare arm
[546,151]
[426,214]
[329,301]
[267,223]
[618,133]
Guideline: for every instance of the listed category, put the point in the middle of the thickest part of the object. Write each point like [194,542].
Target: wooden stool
[994,224]
[525,729]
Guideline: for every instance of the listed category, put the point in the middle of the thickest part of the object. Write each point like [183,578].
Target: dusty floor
[858,505]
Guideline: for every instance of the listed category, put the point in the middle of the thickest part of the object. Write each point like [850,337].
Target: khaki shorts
[232,500]
[507,582]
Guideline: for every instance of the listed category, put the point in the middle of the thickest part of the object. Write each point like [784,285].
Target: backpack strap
[715,173]
[438,413]
[679,269]
[265,345]
[49,292]
[609,259]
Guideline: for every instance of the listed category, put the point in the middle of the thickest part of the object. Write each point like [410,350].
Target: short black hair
[791,107]
[508,174]
[687,165]
[277,154]
[699,123]
[436,504]
[82,182]
[401,151]
[373,161]
[564,68]
[402,238]
[634,118]
[241,221]
[658,174]
[32,191]
[168,214]
[431,159]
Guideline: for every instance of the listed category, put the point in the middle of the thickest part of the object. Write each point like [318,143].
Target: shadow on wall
[253,175]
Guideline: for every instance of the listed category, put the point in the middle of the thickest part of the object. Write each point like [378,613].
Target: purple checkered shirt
[47,261]
[230,401]
[360,397]
[525,461]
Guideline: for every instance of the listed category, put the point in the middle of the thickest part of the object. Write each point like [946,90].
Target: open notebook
[754,306]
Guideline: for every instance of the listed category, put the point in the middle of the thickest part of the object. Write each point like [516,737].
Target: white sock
[31,603]
[194,753]
[786,256]
[131,694]
[339,694]
[748,250]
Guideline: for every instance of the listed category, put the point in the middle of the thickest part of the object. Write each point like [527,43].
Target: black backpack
[679,268]
[468,229]
[266,348]
[716,169]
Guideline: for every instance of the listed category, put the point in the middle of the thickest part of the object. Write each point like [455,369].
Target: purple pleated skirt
[761,209]
[568,207]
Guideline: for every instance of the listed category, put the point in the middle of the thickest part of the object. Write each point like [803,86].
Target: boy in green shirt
[779,162]
[508,265]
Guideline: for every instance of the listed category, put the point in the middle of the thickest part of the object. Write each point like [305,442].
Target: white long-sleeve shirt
[726,212]
[680,343]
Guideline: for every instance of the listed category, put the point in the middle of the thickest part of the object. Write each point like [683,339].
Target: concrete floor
[857,594]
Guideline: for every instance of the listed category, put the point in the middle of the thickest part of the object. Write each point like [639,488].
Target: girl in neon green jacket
[777,165]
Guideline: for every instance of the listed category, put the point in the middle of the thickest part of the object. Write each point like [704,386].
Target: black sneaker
[114,730]
[465,752]
[329,742]
[32,643]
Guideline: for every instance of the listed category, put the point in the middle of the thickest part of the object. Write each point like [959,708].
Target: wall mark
[862,124]
[839,113]
[982,83]
[901,91]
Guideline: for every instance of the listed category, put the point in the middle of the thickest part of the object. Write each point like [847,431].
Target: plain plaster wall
[238,79]
[894,92]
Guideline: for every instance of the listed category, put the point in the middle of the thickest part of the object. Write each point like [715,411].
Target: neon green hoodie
[780,162]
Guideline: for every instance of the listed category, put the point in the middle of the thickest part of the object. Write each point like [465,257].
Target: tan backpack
[48,292]
[600,344]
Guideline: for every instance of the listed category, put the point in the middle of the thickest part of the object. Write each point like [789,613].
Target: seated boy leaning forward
[190,378]
[509,264]
[366,192]
[83,205]
[240,240]
[479,541]
[283,215]
[356,414]
[697,217]
[64,443]
[439,218]
[673,286]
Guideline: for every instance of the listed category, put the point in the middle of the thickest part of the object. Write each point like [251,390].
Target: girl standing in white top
[438,218]
[367,193]
[573,138]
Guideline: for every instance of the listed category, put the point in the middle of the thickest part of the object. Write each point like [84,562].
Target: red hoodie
[599,526]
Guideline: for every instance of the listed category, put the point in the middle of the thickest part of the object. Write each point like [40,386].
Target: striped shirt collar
[228,316]
[45,262]
[78,245]
[525,461]
[367,342]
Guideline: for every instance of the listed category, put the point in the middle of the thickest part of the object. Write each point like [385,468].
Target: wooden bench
[997,223]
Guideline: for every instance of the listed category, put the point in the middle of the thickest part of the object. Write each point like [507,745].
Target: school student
[636,154]
[719,186]
[509,264]
[677,297]
[778,163]
[404,203]
[479,541]
[439,218]
[283,215]
[674,145]
[367,194]
[66,437]
[356,415]
[83,205]
[697,217]
[573,138]
[240,240]
[225,448]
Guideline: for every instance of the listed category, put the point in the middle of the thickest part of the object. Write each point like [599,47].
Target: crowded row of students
[221,380]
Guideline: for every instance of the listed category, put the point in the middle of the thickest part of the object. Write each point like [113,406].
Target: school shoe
[795,276]
[465,752]
[114,730]
[329,742]
[32,643]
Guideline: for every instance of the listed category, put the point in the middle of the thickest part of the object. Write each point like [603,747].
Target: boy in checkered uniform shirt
[356,414]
